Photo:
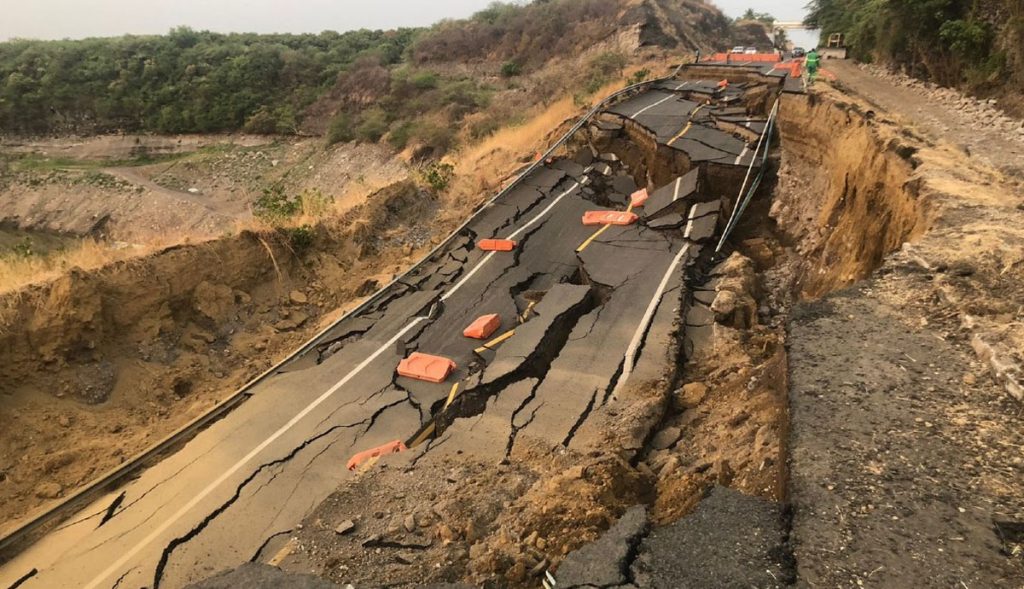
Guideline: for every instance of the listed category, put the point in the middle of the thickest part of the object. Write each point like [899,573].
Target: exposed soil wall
[847,193]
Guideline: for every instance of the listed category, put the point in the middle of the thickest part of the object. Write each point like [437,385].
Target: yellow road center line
[591,239]
[688,126]
[495,342]
[283,553]
[451,395]
[526,313]
[426,433]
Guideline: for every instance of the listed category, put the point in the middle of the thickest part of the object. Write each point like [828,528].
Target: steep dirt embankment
[855,187]
[848,194]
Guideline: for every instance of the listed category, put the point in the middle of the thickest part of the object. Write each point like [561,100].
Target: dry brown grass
[17,272]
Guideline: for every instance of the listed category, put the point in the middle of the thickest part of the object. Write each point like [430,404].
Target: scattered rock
[50,490]
[666,438]
[214,301]
[367,288]
[64,421]
[410,523]
[297,297]
[372,539]
[446,534]
[723,473]
[691,395]
[294,321]
[345,527]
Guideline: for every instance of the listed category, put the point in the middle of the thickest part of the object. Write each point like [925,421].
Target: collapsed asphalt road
[577,305]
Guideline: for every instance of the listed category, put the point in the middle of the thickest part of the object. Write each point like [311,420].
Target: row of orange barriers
[745,58]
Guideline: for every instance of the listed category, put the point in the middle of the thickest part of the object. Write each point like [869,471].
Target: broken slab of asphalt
[730,540]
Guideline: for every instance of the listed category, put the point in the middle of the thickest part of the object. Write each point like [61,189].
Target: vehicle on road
[799,52]
[751,51]
[738,49]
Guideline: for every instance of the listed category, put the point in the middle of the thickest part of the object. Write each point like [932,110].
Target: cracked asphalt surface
[582,319]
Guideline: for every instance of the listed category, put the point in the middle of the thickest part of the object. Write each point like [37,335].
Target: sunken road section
[579,308]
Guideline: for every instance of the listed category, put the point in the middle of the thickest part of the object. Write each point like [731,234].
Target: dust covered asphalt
[582,307]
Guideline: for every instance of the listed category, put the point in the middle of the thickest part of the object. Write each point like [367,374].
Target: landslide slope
[101,361]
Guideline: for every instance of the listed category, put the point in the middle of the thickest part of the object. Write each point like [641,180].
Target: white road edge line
[634,345]
[647,108]
[515,234]
[113,568]
[746,148]
[159,530]
[679,183]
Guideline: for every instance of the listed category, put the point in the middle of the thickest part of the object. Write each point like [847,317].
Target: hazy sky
[57,19]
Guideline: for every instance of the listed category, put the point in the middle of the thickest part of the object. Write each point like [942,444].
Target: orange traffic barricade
[497,245]
[609,218]
[389,448]
[638,198]
[483,327]
[426,367]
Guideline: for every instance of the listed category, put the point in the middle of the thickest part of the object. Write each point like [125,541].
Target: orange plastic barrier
[723,84]
[426,367]
[638,198]
[497,245]
[793,68]
[609,218]
[389,448]
[483,327]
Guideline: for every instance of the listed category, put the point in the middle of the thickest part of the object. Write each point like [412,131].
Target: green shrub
[399,136]
[438,175]
[24,248]
[639,76]
[608,64]
[511,69]
[424,80]
[274,205]
[372,126]
[969,40]
[300,238]
[340,130]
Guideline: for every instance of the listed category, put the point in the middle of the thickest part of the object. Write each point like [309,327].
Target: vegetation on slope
[407,86]
[978,44]
[182,82]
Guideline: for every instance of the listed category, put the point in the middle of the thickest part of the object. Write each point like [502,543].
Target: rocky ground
[906,462]
[978,127]
[166,193]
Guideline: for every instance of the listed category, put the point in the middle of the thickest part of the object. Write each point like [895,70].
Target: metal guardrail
[10,542]
[745,195]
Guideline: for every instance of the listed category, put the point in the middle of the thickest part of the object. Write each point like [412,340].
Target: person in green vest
[812,62]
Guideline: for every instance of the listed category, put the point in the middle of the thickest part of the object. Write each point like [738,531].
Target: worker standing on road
[812,63]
